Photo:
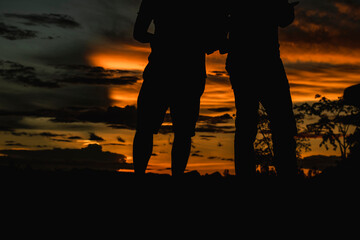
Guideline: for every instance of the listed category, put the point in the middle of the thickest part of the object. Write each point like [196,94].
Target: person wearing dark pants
[258,76]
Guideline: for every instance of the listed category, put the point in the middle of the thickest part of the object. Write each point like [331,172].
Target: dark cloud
[321,77]
[212,128]
[66,74]
[329,23]
[14,144]
[16,72]
[94,137]
[92,157]
[101,81]
[14,33]
[218,73]
[50,135]
[113,116]
[303,85]
[82,74]
[75,137]
[197,154]
[220,158]
[59,20]
[221,109]
[215,120]
[322,73]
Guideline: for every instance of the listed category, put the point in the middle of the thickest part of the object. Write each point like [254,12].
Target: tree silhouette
[264,145]
[333,122]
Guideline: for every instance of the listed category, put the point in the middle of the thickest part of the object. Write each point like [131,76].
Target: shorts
[182,96]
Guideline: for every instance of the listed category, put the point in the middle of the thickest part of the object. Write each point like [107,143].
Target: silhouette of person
[257,76]
[174,76]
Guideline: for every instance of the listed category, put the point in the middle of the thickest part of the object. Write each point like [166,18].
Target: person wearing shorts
[174,77]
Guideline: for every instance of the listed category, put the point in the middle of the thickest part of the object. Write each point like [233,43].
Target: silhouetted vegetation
[334,123]
[264,145]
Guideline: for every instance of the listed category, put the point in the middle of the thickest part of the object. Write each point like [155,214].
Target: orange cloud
[312,69]
[119,56]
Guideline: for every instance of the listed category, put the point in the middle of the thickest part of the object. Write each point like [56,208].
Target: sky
[70,73]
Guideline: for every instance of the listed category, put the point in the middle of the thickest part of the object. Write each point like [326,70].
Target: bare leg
[180,154]
[142,150]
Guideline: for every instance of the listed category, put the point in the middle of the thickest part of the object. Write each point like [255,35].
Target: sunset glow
[71,72]
[309,73]
[116,61]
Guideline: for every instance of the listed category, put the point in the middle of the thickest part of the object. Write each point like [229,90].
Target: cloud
[14,33]
[331,23]
[325,78]
[92,157]
[83,74]
[74,138]
[25,75]
[52,136]
[94,137]
[220,109]
[14,144]
[68,74]
[59,20]
[215,120]
[116,117]
[324,68]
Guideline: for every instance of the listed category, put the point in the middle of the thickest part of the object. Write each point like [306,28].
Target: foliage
[333,122]
[263,144]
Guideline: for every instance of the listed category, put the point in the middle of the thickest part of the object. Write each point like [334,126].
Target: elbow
[140,35]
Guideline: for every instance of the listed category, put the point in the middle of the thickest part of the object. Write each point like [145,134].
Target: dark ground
[345,175]
[162,205]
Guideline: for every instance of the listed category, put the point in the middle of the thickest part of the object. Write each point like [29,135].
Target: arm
[142,24]
[286,13]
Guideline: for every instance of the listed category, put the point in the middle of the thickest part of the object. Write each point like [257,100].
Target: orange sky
[320,50]
[305,82]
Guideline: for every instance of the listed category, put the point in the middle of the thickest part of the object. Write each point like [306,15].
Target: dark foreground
[339,178]
[99,197]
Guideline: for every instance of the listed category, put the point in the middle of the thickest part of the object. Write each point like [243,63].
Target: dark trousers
[268,86]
